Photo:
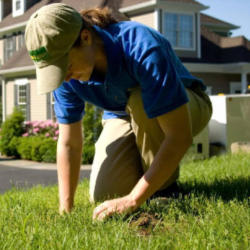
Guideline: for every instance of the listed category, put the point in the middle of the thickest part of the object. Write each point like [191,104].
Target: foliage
[12,127]
[88,154]
[37,148]
[37,140]
[92,126]
[46,128]
[213,213]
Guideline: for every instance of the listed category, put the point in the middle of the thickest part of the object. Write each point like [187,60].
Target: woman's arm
[178,138]
[69,153]
[176,126]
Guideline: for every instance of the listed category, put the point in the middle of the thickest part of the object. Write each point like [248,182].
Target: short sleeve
[69,108]
[162,89]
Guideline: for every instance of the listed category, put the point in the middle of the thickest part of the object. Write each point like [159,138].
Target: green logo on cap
[39,54]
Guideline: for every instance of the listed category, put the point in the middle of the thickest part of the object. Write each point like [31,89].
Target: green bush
[48,150]
[88,154]
[24,147]
[12,127]
[37,148]
[15,141]
[92,128]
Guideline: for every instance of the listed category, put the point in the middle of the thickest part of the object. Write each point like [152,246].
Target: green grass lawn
[213,213]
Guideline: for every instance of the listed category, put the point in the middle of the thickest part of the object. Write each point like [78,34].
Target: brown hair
[100,17]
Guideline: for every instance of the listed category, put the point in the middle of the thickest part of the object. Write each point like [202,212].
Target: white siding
[147,19]
[9,97]
[38,109]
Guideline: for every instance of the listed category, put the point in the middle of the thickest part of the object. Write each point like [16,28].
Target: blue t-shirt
[136,56]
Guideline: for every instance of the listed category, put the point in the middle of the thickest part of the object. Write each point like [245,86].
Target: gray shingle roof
[205,19]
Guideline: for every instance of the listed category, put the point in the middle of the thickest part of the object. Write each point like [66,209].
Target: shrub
[15,141]
[37,148]
[88,154]
[24,148]
[48,150]
[12,127]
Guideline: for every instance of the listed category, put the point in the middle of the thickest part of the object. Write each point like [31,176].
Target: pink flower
[25,135]
[47,135]
[28,123]
[55,138]
[35,130]
[57,132]
[56,125]
[49,123]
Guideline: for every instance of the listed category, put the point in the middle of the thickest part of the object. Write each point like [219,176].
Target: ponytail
[100,17]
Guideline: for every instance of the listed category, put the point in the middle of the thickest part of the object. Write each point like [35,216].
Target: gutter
[13,28]
[17,70]
[133,9]
[3,98]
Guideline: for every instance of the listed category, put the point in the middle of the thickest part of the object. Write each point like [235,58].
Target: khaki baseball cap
[50,33]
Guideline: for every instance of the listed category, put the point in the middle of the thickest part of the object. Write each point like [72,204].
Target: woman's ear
[86,37]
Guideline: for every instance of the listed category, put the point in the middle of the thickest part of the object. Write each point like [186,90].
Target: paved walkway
[23,174]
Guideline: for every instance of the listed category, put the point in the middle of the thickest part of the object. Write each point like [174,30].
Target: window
[179,30]
[50,107]
[20,40]
[22,97]
[9,47]
[18,5]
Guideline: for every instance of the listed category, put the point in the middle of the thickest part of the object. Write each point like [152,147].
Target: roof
[208,20]
[9,20]
[21,58]
[127,3]
[77,4]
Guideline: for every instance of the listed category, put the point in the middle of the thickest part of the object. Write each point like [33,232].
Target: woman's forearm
[68,169]
[166,161]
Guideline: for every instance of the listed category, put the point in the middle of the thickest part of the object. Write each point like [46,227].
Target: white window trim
[194,29]
[20,12]
[22,81]
[1,10]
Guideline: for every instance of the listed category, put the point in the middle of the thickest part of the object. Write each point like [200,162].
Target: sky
[236,12]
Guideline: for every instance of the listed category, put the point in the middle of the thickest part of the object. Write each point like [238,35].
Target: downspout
[3,98]
[243,82]
[157,19]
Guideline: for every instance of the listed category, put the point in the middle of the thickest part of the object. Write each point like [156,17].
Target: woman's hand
[124,205]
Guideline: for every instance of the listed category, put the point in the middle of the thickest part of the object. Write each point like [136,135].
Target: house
[202,42]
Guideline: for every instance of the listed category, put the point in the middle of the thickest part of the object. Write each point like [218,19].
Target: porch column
[243,82]
[3,98]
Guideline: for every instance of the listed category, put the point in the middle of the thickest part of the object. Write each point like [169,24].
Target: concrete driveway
[23,174]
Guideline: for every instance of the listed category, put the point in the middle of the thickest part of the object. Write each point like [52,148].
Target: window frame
[180,13]
[19,83]
[6,47]
[20,11]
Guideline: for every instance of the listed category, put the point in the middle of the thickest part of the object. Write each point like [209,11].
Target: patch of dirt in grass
[145,223]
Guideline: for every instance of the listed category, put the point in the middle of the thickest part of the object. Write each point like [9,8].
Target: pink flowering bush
[41,128]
